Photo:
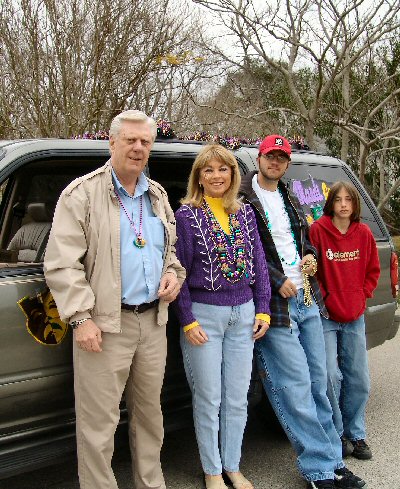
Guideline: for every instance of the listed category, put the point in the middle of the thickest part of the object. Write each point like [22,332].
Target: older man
[111,266]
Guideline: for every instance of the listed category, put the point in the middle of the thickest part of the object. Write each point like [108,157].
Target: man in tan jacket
[110,264]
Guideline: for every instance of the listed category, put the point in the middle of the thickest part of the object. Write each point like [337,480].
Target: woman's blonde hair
[194,194]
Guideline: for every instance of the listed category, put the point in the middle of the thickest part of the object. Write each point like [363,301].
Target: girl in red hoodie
[348,272]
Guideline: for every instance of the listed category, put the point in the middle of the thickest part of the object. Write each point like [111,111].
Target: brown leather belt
[140,308]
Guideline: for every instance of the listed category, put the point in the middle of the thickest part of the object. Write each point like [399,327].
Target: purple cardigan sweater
[204,281]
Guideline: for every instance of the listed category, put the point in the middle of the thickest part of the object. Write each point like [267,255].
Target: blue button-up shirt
[141,268]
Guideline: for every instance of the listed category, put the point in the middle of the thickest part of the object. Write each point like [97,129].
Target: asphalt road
[268,459]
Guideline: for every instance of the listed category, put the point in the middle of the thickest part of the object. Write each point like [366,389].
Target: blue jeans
[292,367]
[348,375]
[218,374]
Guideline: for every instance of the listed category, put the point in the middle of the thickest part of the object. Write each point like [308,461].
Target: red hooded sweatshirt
[348,267]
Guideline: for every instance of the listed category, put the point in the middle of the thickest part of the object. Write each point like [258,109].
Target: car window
[172,172]
[311,185]
[28,201]
[47,187]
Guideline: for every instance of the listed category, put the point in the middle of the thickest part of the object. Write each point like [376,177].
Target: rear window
[312,182]
[172,172]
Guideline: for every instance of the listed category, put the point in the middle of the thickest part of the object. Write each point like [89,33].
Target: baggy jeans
[292,367]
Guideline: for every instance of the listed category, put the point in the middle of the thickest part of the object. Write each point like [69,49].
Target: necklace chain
[232,261]
[139,241]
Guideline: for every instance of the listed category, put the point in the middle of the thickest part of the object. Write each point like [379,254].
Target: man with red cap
[291,355]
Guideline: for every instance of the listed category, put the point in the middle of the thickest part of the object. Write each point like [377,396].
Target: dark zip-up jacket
[278,304]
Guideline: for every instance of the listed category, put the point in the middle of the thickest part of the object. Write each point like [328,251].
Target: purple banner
[312,194]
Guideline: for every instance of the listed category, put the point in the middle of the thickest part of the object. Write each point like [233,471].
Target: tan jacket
[82,261]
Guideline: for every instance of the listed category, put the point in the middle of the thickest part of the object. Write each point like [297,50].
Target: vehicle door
[36,382]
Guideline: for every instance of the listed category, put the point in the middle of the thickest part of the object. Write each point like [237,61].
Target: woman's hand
[259,329]
[196,336]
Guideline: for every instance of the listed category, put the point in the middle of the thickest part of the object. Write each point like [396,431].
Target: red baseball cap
[274,141]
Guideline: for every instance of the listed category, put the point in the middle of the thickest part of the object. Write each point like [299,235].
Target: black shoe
[345,479]
[361,450]
[347,447]
[324,484]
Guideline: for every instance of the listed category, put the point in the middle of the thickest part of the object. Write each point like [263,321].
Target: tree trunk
[381,164]
[309,128]
[364,150]
[344,149]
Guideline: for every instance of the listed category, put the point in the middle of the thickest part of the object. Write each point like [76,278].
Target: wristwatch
[75,324]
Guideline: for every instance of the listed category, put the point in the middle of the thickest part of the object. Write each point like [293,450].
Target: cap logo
[278,142]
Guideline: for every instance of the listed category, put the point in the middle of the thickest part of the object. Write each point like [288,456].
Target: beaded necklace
[139,241]
[230,249]
[281,257]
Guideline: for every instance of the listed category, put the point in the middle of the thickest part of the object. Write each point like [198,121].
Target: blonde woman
[223,308]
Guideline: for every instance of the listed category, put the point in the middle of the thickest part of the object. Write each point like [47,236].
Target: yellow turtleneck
[217,208]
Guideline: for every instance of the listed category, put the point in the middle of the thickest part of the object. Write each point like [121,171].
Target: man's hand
[88,336]
[196,336]
[311,264]
[259,329]
[288,289]
[169,287]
